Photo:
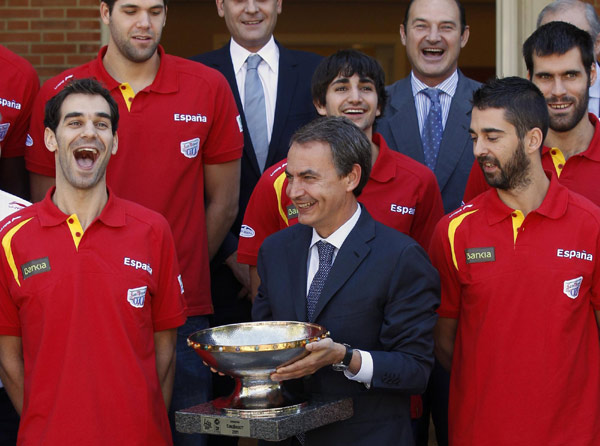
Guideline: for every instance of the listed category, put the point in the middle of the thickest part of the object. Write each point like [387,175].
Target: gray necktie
[432,128]
[255,111]
[325,259]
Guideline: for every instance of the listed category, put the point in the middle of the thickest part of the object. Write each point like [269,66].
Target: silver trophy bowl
[250,352]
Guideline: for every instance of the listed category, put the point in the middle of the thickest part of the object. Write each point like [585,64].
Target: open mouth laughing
[86,157]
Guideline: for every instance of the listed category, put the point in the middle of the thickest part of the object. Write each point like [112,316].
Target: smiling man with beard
[90,294]
[560,62]
[520,307]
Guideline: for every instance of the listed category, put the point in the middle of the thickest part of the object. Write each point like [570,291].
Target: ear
[115,144]
[533,140]
[321,110]
[165,18]
[220,9]
[464,38]
[279,6]
[403,34]
[104,13]
[353,178]
[593,74]
[50,139]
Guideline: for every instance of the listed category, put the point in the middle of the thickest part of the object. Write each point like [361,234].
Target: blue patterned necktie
[255,111]
[432,128]
[325,259]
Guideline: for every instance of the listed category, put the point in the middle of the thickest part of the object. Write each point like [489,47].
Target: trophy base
[264,413]
[206,419]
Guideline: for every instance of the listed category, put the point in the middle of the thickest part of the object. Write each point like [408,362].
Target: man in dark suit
[433,33]
[317,270]
[285,77]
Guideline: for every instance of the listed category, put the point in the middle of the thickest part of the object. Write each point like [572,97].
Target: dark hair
[349,145]
[558,38]
[347,63]
[461,11]
[523,103]
[87,86]
[111,4]
[557,6]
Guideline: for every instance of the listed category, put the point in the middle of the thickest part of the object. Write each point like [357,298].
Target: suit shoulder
[398,87]
[210,57]
[471,84]
[305,56]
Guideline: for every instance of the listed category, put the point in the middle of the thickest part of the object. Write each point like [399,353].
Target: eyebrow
[303,173]
[79,114]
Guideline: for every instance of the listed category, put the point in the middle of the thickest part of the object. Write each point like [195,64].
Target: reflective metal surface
[250,352]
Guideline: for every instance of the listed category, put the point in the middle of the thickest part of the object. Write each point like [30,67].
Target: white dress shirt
[365,374]
[423,103]
[268,72]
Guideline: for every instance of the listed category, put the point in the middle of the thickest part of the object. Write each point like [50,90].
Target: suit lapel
[350,256]
[405,126]
[286,85]
[297,261]
[457,126]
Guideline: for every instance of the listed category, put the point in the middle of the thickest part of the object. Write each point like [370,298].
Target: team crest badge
[137,296]
[190,148]
[3,129]
[571,287]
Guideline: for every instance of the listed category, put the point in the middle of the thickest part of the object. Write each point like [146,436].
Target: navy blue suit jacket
[293,109]
[400,128]
[380,296]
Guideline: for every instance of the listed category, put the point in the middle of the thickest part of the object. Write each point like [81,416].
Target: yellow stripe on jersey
[558,159]
[8,249]
[278,185]
[128,94]
[452,227]
[76,229]
[517,221]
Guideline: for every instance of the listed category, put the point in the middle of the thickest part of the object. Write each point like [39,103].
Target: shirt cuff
[365,374]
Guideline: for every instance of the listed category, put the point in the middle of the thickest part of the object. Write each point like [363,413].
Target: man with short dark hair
[520,305]
[90,294]
[181,141]
[400,192]
[584,16]
[560,62]
[316,271]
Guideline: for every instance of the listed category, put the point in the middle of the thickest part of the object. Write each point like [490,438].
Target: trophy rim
[322,333]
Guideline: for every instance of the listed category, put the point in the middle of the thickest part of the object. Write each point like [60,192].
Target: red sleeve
[16,138]
[38,159]
[430,210]
[262,218]
[168,308]
[226,138]
[476,183]
[10,324]
[441,258]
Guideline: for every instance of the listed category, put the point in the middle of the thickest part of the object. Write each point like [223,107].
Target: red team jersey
[18,86]
[167,132]
[401,193]
[580,173]
[526,361]
[87,305]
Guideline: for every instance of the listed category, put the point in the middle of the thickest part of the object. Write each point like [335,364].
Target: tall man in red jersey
[90,294]
[560,62]
[180,145]
[400,192]
[520,292]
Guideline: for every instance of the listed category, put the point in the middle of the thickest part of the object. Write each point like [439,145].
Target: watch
[343,366]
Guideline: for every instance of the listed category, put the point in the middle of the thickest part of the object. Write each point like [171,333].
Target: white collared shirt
[365,374]
[594,103]
[423,103]
[268,71]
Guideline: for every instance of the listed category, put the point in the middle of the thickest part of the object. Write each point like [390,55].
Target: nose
[479,148]
[88,130]
[354,95]
[433,35]
[294,189]
[251,6]
[558,87]
[143,20]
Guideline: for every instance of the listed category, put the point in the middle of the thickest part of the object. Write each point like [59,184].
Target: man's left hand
[321,353]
